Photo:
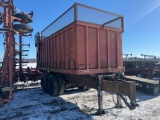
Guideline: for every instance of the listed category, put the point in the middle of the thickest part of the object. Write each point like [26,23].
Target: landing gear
[100,100]
[119,102]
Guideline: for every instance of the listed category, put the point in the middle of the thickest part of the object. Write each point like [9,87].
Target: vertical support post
[122,23]
[75,12]
[99,91]
[108,48]
[117,50]
[11,48]
[20,58]
[119,102]
[86,37]
[98,48]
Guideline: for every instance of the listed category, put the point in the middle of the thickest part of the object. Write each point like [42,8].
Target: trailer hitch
[121,88]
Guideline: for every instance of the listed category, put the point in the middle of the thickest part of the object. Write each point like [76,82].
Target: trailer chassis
[108,83]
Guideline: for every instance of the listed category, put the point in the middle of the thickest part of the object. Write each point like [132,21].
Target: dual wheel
[53,84]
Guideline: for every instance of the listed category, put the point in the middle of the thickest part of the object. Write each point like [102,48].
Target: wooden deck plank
[138,79]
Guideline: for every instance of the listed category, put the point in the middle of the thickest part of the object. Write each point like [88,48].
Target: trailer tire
[61,84]
[44,83]
[23,28]
[53,85]
[26,17]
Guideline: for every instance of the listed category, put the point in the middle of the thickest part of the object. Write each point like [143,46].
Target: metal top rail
[80,12]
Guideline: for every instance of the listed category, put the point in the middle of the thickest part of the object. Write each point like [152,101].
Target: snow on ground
[33,104]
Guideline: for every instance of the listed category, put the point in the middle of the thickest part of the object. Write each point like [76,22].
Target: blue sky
[141,20]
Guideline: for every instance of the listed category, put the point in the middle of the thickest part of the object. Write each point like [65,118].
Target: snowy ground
[33,104]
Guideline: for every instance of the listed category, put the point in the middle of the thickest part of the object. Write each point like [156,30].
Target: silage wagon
[83,48]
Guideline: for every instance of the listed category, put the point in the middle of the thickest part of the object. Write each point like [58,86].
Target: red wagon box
[83,40]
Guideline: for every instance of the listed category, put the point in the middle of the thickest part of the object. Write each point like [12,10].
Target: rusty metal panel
[54,51]
[57,51]
[61,51]
[119,50]
[42,61]
[44,54]
[71,48]
[51,50]
[92,48]
[41,54]
[49,53]
[103,36]
[66,56]
[45,59]
[40,57]
[81,48]
[113,49]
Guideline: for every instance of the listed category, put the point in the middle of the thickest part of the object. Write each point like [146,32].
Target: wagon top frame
[87,14]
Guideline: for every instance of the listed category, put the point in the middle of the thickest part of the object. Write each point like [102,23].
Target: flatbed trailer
[83,48]
[148,86]
[139,67]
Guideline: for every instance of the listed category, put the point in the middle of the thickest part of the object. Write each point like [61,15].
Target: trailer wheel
[61,84]
[23,28]
[44,83]
[83,88]
[53,85]
[26,17]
